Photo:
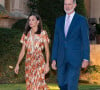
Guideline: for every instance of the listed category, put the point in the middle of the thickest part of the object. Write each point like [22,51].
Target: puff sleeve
[23,39]
[45,36]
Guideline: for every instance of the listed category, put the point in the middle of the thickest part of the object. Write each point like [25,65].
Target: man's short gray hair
[74,1]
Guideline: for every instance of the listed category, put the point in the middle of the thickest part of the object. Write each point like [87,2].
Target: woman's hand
[47,68]
[16,70]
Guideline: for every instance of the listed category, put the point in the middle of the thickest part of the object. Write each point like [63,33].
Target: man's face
[69,6]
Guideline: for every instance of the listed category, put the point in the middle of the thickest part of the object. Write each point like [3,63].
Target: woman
[34,39]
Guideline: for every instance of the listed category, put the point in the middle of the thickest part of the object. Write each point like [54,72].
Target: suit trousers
[68,75]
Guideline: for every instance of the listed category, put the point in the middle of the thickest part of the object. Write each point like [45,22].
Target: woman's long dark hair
[28,28]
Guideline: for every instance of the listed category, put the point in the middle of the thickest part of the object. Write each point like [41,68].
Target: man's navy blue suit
[70,51]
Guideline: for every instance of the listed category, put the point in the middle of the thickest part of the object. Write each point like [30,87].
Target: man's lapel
[63,25]
[72,25]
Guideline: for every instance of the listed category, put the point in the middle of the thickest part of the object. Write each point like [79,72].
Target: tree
[81,7]
[32,4]
[49,10]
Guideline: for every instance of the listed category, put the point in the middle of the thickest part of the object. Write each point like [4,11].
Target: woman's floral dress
[35,62]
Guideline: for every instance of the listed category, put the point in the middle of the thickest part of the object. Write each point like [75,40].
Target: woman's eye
[32,19]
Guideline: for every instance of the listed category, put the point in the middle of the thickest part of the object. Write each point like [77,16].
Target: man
[70,47]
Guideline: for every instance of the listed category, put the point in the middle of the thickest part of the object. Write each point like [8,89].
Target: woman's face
[33,22]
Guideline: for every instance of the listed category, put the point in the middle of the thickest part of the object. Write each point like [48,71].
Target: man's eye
[32,19]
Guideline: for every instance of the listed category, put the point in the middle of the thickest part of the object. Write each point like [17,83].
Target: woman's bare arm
[21,55]
[47,51]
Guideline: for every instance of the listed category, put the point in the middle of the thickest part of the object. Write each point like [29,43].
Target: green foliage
[81,7]
[20,25]
[91,75]
[32,4]
[49,10]
[45,27]
[97,28]
[92,69]
[9,51]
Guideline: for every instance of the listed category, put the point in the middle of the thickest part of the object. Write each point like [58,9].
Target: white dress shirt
[68,22]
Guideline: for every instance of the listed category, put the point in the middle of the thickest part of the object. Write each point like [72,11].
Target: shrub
[81,7]
[19,25]
[91,75]
[9,51]
[49,14]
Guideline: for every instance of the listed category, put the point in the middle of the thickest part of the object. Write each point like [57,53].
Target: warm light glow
[11,67]
[54,87]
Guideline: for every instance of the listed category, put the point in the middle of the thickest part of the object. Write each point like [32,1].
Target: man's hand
[85,63]
[53,65]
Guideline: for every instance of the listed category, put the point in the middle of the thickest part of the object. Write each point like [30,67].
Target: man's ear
[75,5]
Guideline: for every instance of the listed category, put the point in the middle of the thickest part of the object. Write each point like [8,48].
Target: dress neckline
[35,34]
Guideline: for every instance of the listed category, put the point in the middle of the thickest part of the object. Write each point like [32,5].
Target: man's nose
[67,7]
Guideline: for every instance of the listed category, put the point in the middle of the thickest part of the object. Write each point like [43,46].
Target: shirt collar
[71,15]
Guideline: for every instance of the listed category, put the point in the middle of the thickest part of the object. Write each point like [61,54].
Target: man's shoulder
[81,17]
[60,17]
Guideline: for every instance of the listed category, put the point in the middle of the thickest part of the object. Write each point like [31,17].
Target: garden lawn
[51,86]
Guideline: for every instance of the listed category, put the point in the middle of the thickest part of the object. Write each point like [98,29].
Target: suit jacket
[76,43]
